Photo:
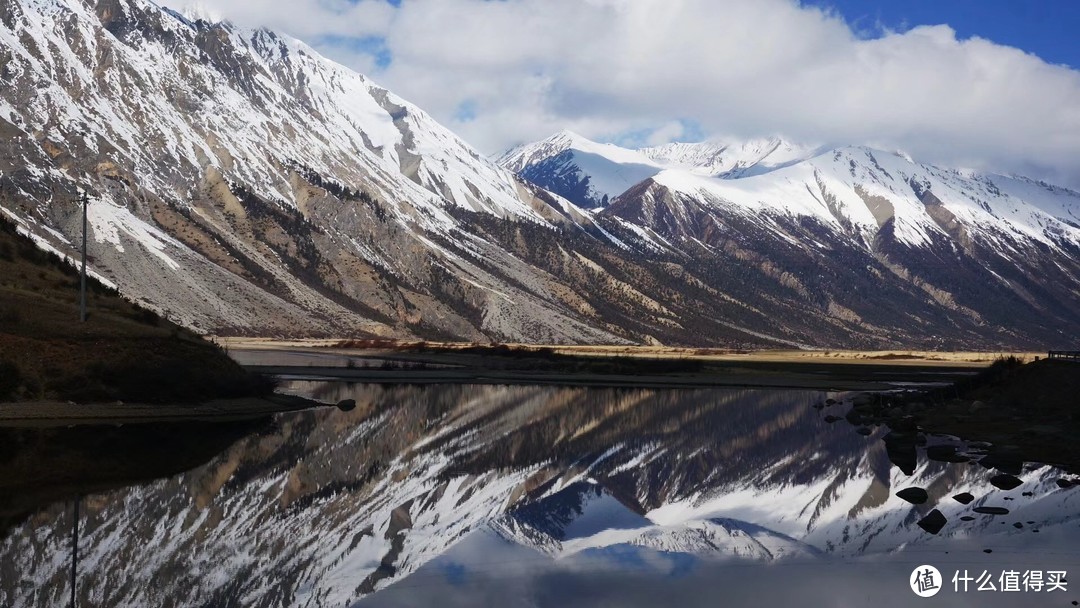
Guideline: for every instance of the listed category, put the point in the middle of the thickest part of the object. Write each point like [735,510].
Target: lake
[535,496]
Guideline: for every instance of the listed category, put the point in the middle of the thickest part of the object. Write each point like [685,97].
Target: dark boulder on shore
[991,510]
[934,522]
[1005,461]
[915,496]
[900,448]
[1006,482]
[964,498]
[945,453]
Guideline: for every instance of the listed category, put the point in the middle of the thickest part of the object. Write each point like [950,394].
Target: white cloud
[672,131]
[739,67]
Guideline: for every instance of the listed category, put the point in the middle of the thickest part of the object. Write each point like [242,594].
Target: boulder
[1004,461]
[991,510]
[915,496]
[945,453]
[1006,482]
[964,498]
[934,522]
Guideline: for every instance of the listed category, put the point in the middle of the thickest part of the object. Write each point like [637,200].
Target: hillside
[123,352]
[243,185]
[849,238]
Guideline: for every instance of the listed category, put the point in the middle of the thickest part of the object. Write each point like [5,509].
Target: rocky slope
[867,239]
[242,184]
[121,352]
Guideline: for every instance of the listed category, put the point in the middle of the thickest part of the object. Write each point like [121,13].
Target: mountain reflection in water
[466,495]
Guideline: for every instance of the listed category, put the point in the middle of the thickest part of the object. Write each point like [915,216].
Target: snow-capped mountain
[735,159]
[583,171]
[963,239]
[591,174]
[324,507]
[242,184]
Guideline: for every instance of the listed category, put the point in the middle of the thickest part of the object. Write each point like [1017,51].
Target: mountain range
[242,184]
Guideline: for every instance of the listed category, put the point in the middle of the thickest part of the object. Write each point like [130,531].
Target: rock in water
[991,510]
[934,522]
[964,498]
[1004,461]
[901,450]
[915,496]
[347,405]
[1005,481]
[945,453]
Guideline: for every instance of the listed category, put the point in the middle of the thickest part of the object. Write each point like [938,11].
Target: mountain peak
[198,11]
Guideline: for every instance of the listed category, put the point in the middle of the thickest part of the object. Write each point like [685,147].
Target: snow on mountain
[995,251]
[591,173]
[242,184]
[736,159]
[848,187]
[297,196]
[585,172]
[862,189]
[285,104]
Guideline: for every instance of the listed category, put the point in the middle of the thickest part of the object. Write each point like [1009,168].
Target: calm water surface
[489,495]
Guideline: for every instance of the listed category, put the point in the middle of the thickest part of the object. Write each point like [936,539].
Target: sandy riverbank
[892,357]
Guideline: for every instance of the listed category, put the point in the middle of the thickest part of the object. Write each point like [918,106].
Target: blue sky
[1047,28]
[979,84]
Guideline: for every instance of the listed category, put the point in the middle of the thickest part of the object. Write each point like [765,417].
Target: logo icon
[925,581]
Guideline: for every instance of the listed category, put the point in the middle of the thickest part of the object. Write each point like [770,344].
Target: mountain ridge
[241,184]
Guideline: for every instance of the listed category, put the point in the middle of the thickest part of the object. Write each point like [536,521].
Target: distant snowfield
[839,186]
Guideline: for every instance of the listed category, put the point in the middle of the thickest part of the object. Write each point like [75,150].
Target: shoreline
[50,414]
[854,357]
[739,379]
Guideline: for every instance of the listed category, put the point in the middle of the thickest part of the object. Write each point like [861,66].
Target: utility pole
[82,287]
[75,548]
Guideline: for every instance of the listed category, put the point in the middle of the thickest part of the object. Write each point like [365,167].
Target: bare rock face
[836,241]
[241,184]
